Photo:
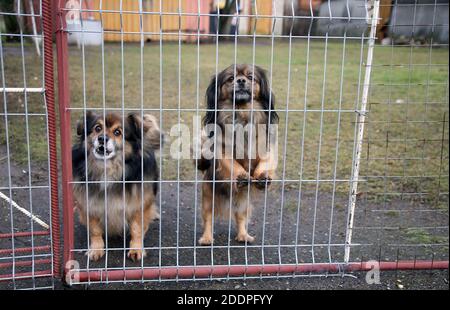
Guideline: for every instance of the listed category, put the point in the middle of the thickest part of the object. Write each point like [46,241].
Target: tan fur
[260,168]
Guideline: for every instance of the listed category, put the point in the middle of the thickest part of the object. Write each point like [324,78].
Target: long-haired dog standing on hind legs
[116,176]
[239,146]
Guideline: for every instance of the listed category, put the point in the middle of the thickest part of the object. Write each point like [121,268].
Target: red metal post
[65,127]
[47,20]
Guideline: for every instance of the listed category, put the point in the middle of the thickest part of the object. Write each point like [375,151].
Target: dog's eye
[98,128]
[250,77]
[117,132]
[231,79]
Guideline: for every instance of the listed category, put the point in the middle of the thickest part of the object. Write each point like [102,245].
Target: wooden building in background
[172,22]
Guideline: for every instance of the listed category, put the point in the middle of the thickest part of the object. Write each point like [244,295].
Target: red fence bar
[411,265]
[25,234]
[25,250]
[222,271]
[65,129]
[26,263]
[47,20]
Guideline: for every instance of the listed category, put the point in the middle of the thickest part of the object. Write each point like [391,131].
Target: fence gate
[361,96]
[29,229]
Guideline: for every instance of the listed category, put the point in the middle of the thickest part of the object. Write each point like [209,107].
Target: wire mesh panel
[404,196]
[27,182]
[356,138]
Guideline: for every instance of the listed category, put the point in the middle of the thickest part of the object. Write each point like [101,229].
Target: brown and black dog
[107,168]
[239,100]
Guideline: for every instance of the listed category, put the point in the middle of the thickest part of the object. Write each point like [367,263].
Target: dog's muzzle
[103,148]
[242,93]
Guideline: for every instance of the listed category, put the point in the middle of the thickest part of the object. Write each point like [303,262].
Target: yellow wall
[263,25]
[170,23]
[151,22]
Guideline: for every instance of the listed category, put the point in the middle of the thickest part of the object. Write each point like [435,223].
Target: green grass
[393,213]
[420,236]
[407,105]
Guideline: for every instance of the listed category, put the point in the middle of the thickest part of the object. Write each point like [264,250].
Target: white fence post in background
[373,9]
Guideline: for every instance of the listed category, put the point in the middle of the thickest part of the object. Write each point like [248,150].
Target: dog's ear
[212,92]
[266,95]
[91,117]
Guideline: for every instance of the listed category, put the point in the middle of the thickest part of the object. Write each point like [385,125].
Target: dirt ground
[274,223]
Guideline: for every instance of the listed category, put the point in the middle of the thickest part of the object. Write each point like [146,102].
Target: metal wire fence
[360,89]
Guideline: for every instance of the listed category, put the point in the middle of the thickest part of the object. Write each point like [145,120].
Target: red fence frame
[47,20]
[65,126]
[254,270]
[153,273]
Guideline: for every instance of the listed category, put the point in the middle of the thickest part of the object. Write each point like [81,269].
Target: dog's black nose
[240,81]
[103,139]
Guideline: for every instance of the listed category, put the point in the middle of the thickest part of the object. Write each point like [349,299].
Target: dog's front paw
[97,249]
[245,238]
[206,240]
[261,180]
[136,254]
[95,254]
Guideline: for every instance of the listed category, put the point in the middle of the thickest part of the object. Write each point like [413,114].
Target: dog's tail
[153,136]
